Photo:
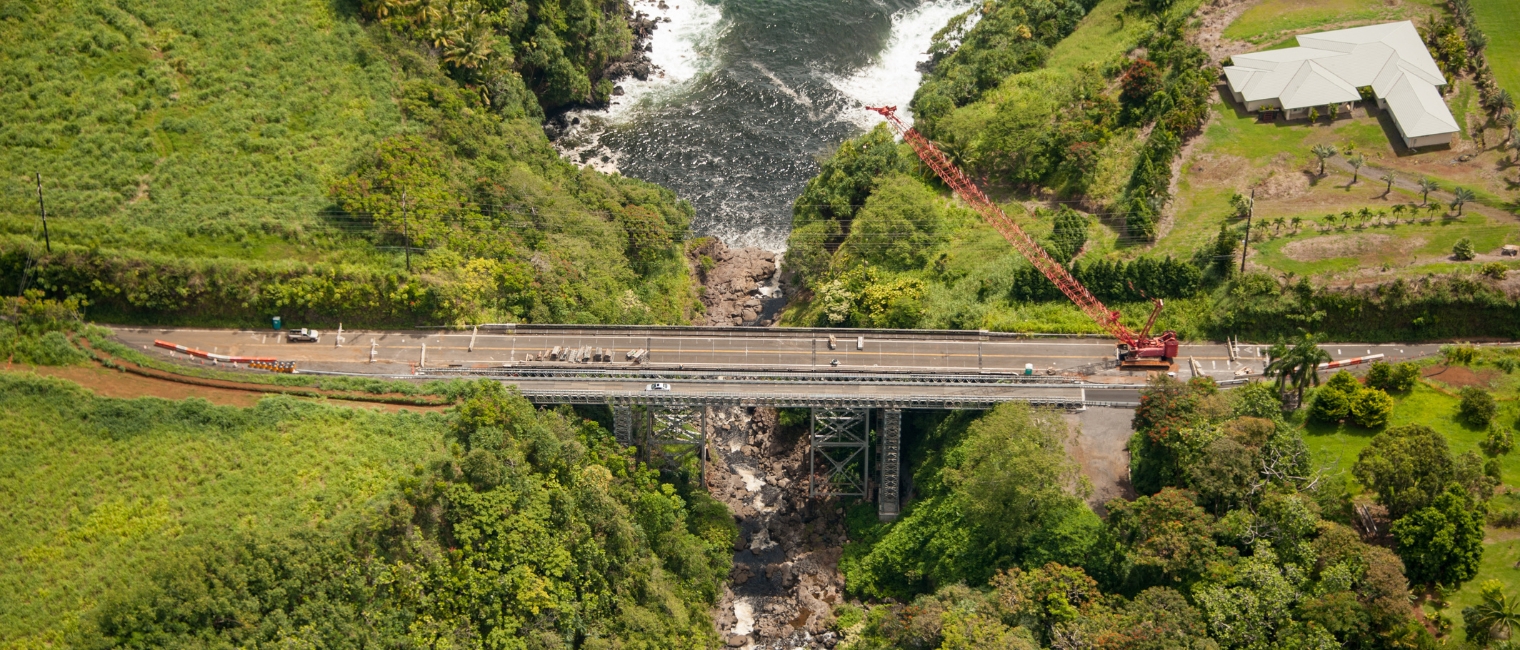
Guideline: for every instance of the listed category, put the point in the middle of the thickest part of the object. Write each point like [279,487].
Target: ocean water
[749,94]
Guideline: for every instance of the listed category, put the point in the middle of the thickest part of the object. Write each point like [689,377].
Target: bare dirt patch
[1283,183]
[1218,169]
[1461,376]
[1099,447]
[1323,248]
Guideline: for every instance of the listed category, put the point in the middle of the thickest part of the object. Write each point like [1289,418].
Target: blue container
[277,323]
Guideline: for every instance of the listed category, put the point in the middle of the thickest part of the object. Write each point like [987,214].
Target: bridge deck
[753,366]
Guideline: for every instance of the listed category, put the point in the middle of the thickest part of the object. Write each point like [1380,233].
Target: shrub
[1477,406]
[1459,354]
[1330,405]
[1393,378]
[1371,407]
[1463,250]
[1494,270]
[1498,443]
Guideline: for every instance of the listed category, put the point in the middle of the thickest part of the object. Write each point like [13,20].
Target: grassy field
[192,134]
[1269,19]
[1500,22]
[99,490]
[1106,32]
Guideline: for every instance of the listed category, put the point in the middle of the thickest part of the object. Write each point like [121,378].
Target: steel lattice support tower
[681,426]
[622,424]
[839,440]
[887,497]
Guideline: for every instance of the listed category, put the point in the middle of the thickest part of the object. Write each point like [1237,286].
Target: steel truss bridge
[855,382]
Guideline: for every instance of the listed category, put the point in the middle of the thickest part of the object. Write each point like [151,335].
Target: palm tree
[1296,222]
[1277,225]
[1426,187]
[1398,210]
[1496,614]
[1346,218]
[468,48]
[1298,365]
[1388,177]
[1502,101]
[1322,151]
[1381,214]
[1328,221]
[1460,196]
[1508,121]
[1365,214]
[1431,210]
[1356,167]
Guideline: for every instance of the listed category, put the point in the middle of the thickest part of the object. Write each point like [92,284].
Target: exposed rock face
[786,579]
[739,284]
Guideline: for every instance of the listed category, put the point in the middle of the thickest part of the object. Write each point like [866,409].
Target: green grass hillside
[99,490]
[224,162]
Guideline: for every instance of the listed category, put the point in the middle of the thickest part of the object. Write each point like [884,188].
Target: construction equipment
[1136,351]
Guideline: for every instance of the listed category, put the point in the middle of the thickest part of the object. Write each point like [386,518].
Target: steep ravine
[785,581]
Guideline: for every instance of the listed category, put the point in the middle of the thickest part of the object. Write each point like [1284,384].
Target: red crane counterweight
[1134,349]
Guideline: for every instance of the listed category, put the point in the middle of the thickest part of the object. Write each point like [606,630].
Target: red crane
[1135,350]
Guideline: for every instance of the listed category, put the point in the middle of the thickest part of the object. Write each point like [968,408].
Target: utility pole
[405,234]
[43,209]
[1246,245]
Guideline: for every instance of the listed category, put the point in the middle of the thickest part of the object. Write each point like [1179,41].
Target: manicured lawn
[1501,23]
[100,492]
[1275,16]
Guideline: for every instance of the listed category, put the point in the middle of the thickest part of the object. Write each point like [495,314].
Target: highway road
[770,366]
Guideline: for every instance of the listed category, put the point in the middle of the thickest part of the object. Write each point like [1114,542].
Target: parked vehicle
[302,335]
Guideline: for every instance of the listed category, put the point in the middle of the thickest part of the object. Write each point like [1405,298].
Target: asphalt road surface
[772,365]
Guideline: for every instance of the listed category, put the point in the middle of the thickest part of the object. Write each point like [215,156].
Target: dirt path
[107,382]
[1213,18]
[785,581]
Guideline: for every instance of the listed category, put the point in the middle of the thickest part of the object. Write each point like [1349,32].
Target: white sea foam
[893,77]
[682,50]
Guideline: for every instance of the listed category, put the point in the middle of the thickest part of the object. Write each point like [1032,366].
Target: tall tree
[1442,544]
[1299,365]
[1389,178]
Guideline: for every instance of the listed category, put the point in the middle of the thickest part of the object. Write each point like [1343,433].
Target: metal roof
[1328,67]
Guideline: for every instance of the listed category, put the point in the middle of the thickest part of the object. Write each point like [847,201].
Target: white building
[1329,68]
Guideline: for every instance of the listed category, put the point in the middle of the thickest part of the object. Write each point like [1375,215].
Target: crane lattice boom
[952,175]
